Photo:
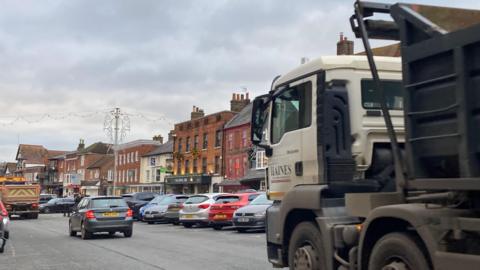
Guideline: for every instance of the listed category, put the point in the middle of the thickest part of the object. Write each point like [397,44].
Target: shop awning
[227,182]
[253,175]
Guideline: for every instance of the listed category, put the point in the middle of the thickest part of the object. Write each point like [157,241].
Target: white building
[154,166]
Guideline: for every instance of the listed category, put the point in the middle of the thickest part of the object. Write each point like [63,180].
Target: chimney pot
[233,96]
[242,96]
[247,95]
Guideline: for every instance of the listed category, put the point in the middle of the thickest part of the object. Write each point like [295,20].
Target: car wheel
[85,234]
[241,230]
[176,223]
[128,233]
[398,251]
[70,230]
[187,225]
[217,227]
[46,210]
[2,247]
[111,233]
[150,222]
[34,216]
[6,235]
[306,250]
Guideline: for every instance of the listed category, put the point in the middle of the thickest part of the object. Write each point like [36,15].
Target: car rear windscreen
[108,203]
[227,199]
[196,199]
[127,197]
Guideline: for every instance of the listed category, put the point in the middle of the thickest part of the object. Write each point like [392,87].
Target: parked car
[101,214]
[44,198]
[4,231]
[252,216]
[138,199]
[57,205]
[153,202]
[221,212]
[166,210]
[195,209]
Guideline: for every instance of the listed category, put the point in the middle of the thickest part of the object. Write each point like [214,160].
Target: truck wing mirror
[259,118]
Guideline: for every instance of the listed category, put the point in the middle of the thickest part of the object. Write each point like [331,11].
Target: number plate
[188,216]
[243,219]
[220,217]
[110,214]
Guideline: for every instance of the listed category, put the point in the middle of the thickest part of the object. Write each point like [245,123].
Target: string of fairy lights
[13,120]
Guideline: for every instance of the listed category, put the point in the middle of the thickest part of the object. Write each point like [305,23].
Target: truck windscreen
[371,97]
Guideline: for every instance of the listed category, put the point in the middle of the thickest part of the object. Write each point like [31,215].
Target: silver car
[195,209]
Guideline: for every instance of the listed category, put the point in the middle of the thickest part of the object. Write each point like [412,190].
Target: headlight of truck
[260,214]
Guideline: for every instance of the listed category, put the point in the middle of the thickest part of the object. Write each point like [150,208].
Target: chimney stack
[238,102]
[344,46]
[81,145]
[171,134]
[196,113]
[158,138]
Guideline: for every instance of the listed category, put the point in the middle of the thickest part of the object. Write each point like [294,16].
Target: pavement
[44,244]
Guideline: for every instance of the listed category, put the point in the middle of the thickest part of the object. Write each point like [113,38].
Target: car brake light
[89,214]
[234,206]
[129,213]
[204,206]
[4,213]
[180,206]
[34,205]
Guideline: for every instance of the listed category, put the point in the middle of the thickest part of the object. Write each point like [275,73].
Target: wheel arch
[395,218]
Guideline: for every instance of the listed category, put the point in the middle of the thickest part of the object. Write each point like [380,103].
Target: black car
[138,199]
[57,205]
[44,198]
[101,214]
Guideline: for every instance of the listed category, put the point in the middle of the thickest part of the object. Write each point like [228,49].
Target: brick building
[77,162]
[32,164]
[237,148]
[198,151]
[127,164]
[98,176]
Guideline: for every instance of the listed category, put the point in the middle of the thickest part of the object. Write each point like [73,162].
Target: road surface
[44,244]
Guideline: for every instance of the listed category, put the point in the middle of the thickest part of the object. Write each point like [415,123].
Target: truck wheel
[306,251]
[398,251]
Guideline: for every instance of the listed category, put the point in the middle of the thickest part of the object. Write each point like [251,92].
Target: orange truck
[20,197]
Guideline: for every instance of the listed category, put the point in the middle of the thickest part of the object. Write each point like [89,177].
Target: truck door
[292,138]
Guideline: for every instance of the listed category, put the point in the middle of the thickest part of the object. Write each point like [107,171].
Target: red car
[221,212]
[4,233]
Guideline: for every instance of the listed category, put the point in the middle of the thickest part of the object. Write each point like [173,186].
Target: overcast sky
[65,64]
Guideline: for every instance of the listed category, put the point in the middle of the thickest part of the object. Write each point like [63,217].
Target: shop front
[254,179]
[188,184]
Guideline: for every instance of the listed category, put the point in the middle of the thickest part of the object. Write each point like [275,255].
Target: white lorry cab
[324,118]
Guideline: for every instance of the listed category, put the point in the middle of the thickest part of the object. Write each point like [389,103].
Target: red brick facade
[237,147]
[127,159]
[198,144]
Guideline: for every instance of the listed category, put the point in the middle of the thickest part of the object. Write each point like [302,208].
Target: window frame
[280,92]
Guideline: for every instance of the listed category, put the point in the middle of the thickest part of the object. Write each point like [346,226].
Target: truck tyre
[305,251]
[398,251]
